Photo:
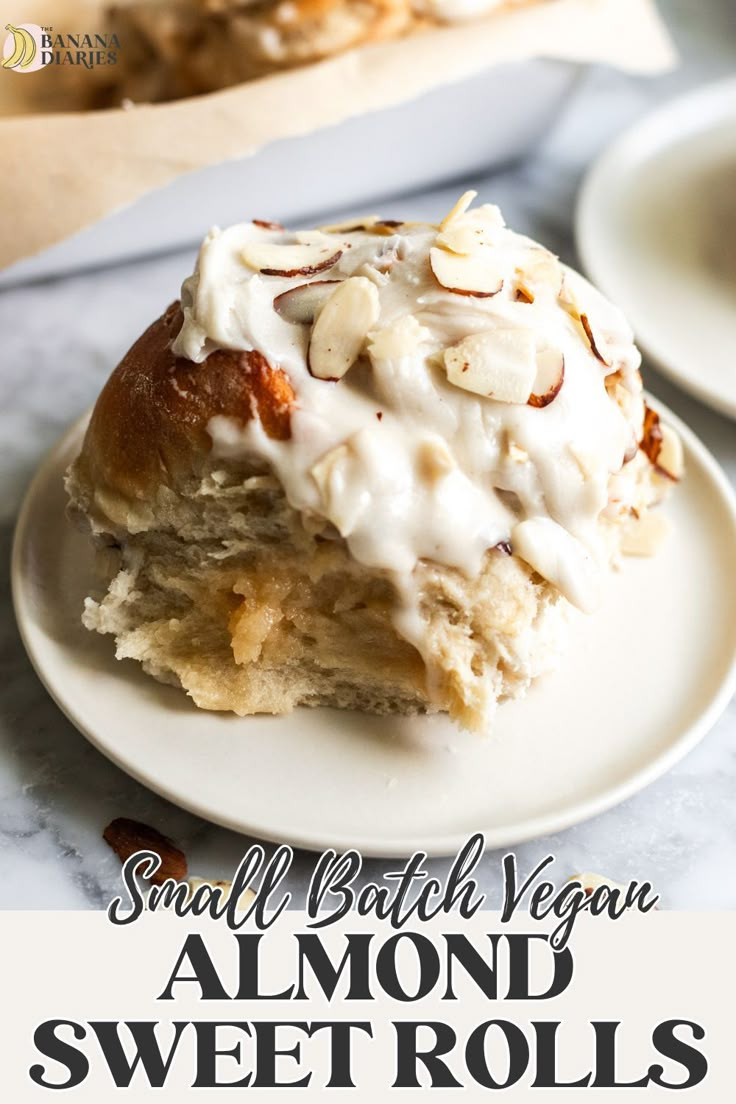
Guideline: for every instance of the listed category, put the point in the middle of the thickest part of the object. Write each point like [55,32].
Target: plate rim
[437,846]
[722,95]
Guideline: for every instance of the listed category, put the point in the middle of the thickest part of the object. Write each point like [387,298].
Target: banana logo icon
[24,48]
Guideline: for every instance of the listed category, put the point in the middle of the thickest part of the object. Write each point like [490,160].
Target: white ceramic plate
[643,681]
[656,228]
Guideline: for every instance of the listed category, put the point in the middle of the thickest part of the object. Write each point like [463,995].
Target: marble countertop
[60,339]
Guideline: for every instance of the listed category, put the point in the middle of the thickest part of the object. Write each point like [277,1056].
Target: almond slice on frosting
[540,271]
[463,231]
[549,378]
[499,364]
[301,303]
[459,209]
[351,226]
[335,475]
[594,344]
[560,558]
[464,274]
[401,339]
[341,328]
[301,258]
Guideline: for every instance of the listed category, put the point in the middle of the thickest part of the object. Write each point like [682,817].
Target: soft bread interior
[232,597]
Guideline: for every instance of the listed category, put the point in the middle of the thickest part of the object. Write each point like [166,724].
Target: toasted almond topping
[632,450]
[585,460]
[434,459]
[341,328]
[591,882]
[401,339]
[473,232]
[644,536]
[670,461]
[539,272]
[332,474]
[549,378]
[301,303]
[585,322]
[126,837]
[459,209]
[559,557]
[567,299]
[499,364]
[266,225]
[651,441]
[516,453]
[476,275]
[351,226]
[303,258]
[200,885]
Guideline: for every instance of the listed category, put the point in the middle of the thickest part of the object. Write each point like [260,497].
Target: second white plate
[642,682]
[656,231]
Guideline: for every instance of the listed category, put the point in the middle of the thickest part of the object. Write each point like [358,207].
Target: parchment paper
[62,172]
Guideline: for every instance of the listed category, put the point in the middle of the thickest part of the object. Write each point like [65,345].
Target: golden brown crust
[149,425]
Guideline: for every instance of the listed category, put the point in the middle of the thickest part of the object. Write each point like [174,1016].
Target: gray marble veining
[60,339]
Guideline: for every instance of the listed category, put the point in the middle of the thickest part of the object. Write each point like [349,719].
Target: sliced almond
[651,441]
[401,339]
[567,299]
[341,328]
[632,451]
[351,226]
[198,884]
[333,473]
[539,272]
[516,453]
[473,231]
[301,258]
[434,459]
[301,303]
[499,364]
[585,459]
[549,378]
[466,275]
[559,557]
[595,349]
[126,837]
[644,536]
[459,209]
[670,461]
[591,882]
[384,227]
[266,225]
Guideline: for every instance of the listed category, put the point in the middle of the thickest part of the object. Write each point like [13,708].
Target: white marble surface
[60,340]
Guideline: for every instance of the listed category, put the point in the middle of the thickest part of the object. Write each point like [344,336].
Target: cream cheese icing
[404,463]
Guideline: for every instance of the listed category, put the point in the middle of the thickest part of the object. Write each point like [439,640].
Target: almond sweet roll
[374,466]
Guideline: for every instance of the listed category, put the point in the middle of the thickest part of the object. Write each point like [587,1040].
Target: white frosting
[444,474]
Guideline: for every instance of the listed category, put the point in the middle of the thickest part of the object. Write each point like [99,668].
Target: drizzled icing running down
[463,399]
